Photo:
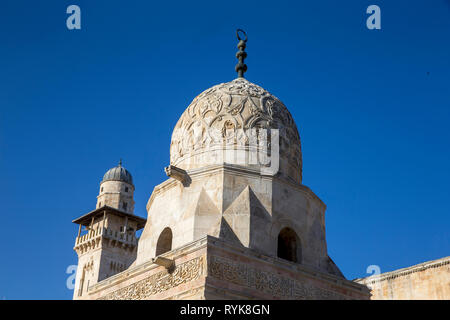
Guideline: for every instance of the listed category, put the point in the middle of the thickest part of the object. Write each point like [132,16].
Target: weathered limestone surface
[151,281]
[241,206]
[426,281]
[241,273]
[210,268]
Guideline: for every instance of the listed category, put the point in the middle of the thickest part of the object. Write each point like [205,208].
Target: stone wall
[240,206]
[210,268]
[242,273]
[426,281]
[149,281]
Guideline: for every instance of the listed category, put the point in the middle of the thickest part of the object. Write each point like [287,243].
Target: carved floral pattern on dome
[227,113]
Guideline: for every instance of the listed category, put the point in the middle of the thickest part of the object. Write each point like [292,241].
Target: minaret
[106,243]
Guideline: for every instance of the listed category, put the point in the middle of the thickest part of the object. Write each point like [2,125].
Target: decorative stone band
[217,267]
[135,271]
[266,282]
[226,270]
[404,272]
[160,282]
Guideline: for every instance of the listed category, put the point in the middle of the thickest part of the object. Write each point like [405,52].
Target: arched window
[164,243]
[289,246]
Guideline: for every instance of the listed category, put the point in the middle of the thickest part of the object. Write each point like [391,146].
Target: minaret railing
[107,233]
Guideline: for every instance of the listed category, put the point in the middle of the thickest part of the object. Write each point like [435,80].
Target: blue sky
[372,108]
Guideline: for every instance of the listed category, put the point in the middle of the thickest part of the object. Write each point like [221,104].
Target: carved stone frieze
[160,282]
[267,282]
[226,270]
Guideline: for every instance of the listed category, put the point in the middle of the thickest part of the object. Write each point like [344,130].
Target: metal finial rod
[120,162]
[241,67]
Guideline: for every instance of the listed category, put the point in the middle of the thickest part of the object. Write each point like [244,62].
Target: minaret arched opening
[164,243]
[289,246]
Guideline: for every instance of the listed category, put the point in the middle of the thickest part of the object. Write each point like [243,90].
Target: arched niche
[164,243]
[289,245]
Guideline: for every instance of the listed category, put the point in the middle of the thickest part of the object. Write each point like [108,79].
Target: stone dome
[226,123]
[118,173]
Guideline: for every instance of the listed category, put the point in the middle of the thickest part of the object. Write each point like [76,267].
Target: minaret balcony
[93,237]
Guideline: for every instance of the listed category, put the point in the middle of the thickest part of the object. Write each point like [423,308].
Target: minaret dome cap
[118,173]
